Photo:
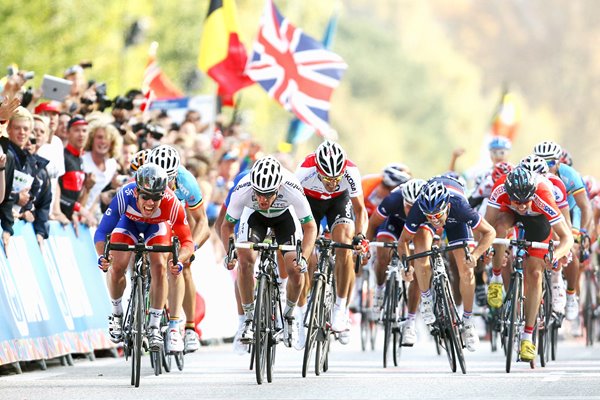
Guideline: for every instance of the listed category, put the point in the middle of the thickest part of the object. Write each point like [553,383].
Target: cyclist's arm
[488,234]
[587,220]
[405,238]
[109,220]
[360,212]
[200,231]
[227,229]
[310,235]
[181,228]
[565,238]
[374,222]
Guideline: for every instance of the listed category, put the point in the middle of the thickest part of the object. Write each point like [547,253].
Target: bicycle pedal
[406,345]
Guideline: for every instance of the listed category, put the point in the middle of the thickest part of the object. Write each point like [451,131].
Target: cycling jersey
[572,180]
[559,190]
[461,218]
[369,185]
[123,215]
[290,193]
[313,187]
[187,189]
[393,204]
[543,202]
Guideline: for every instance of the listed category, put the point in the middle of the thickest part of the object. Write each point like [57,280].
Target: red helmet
[500,169]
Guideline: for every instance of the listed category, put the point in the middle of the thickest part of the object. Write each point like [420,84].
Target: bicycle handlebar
[140,247]
[265,246]
[436,250]
[527,243]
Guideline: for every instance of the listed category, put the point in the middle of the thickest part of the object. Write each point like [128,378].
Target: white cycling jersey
[290,193]
[313,187]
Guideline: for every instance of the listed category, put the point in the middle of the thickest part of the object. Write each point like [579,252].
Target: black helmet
[150,178]
[520,184]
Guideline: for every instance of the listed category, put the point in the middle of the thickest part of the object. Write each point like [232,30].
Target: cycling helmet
[411,189]
[534,163]
[565,158]
[139,159]
[499,143]
[548,150]
[394,175]
[166,157]
[266,175]
[500,169]
[331,159]
[151,178]
[520,184]
[433,198]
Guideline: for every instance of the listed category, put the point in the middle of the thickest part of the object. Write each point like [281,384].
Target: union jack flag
[295,69]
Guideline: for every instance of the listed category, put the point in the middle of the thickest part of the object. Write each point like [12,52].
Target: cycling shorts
[127,231]
[337,210]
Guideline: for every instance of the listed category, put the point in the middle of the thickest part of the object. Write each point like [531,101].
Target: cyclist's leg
[498,281]
[422,242]
[382,259]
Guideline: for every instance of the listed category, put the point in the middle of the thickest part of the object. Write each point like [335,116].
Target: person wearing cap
[71,184]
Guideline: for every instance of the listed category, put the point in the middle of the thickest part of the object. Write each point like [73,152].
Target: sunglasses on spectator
[151,196]
[551,163]
[335,179]
[437,215]
[266,195]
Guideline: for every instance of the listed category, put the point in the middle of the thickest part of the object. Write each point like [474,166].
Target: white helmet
[535,163]
[394,175]
[266,175]
[331,159]
[166,157]
[411,189]
[548,150]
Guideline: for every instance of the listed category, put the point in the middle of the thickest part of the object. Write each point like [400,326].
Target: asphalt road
[215,372]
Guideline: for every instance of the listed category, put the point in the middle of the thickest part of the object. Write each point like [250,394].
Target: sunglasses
[266,195]
[520,203]
[437,215]
[150,196]
[551,163]
[335,179]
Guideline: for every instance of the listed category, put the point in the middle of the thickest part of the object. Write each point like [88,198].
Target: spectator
[31,185]
[74,185]
[51,110]
[61,129]
[102,146]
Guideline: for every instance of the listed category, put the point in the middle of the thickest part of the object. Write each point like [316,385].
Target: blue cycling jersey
[235,182]
[573,182]
[393,205]
[187,189]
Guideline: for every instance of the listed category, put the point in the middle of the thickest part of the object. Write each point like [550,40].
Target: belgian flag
[222,54]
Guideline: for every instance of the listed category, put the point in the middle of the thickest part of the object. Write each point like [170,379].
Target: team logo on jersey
[545,207]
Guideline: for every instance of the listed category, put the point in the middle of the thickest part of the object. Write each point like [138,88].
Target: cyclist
[538,165]
[145,206]
[270,191]
[331,183]
[375,188]
[386,223]
[581,215]
[442,205]
[524,197]
[183,292]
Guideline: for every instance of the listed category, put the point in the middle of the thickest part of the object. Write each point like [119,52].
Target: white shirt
[103,178]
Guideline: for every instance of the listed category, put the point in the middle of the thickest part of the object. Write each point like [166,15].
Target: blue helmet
[433,198]
[499,143]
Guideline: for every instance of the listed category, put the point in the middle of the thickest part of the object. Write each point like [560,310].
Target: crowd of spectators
[64,161]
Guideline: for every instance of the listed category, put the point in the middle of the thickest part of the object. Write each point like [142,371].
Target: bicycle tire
[270,324]
[179,360]
[388,315]
[156,361]
[323,346]
[588,312]
[364,308]
[553,342]
[546,323]
[452,325]
[167,361]
[314,324]
[397,336]
[138,318]
[513,315]
[260,330]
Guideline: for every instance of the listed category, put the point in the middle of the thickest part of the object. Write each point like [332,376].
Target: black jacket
[6,206]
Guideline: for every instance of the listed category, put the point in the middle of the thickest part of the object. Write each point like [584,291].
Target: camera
[123,103]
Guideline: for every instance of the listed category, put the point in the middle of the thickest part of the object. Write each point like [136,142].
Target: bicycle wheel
[156,361]
[271,345]
[544,323]
[261,337]
[452,326]
[138,317]
[513,320]
[364,307]
[553,341]
[388,315]
[588,312]
[315,326]
[400,311]
[323,344]
[441,334]
[166,360]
